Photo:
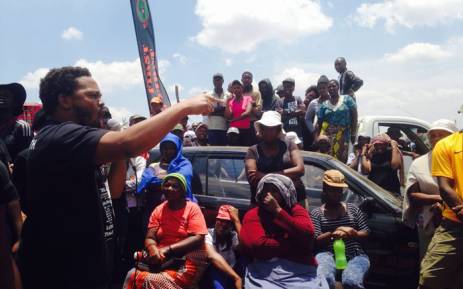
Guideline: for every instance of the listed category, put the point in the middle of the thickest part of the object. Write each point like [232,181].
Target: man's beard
[85,117]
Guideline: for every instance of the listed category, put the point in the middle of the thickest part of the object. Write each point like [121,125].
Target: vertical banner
[147,50]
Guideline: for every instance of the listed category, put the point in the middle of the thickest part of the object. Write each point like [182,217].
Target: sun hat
[334,178]
[224,213]
[270,119]
[181,179]
[233,130]
[444,124]
[292,136]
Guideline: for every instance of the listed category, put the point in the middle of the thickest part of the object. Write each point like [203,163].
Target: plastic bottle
[340,254]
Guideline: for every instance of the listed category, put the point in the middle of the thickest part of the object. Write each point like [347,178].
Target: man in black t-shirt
[293,109]
[68,235]
[16,134]
[8,195]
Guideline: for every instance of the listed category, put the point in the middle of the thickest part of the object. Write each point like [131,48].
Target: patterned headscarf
[283,183]
[381,138]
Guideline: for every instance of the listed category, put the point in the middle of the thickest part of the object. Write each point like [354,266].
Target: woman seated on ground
[171,161]
[338,220]
[274,154]
[278,237]
[176,230]
[422,205]
[382,161]
[222,244]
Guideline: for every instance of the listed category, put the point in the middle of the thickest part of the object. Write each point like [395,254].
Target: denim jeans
[352,276]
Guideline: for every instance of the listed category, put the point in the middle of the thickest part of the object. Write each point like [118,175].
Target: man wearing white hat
[422,201]
[442,265]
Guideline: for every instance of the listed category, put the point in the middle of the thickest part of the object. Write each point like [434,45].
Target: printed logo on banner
[143,12]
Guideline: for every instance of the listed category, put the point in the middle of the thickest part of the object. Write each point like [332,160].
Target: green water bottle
[340,254]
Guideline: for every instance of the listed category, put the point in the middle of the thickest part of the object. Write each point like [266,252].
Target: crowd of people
[83,206]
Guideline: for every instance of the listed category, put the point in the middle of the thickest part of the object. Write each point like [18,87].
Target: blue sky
[407,51]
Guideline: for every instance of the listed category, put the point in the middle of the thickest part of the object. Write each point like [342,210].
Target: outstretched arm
[146,134]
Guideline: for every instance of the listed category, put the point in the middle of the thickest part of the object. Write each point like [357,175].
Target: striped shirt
[354,218]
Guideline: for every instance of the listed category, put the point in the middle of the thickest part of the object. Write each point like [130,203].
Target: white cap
[189,134]
[292,136]
[444,124]
[233,130]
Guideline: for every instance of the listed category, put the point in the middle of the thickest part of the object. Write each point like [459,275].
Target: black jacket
[349,81]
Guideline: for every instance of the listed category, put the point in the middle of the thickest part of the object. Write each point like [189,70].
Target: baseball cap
[224,213]
[233,130]
[156,99]
[444,124]
[334,178]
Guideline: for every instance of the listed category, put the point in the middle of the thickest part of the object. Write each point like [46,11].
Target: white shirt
[420,173]
[135,169]
[227,253]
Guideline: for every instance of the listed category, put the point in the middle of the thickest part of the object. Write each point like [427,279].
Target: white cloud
[196,90]
[180,58]
[409,13]
[121,114]
[110,76]
[72,33]
[228,62]
[302,78]
[232,28]
[32,79]
[419,51]
[114,75]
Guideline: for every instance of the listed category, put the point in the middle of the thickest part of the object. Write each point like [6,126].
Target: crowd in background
[80,195]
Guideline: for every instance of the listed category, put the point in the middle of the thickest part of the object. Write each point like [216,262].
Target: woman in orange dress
[174,245]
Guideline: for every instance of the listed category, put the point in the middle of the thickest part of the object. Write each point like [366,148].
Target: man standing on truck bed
[349,83]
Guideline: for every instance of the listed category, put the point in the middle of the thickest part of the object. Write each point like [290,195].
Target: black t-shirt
[7,190]
[383,174]
[273,164]
[17,136]
[291,104]
[67,239]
